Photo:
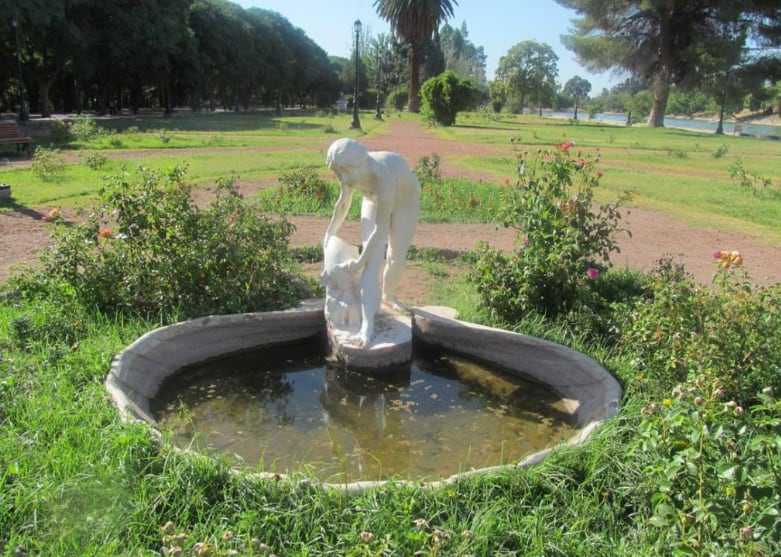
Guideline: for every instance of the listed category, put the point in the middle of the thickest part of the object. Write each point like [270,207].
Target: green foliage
[48,165]
[753,182]
[95,160]
[397,98]
[84,128]
[148,249]
[723,333]
[458,200]
[447,94]
[302,190]
[61,131]
[427,168]
[712,476]
[528,72]
[563,245]
[720,152]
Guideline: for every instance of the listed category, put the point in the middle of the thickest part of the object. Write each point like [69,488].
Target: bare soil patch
[23,232]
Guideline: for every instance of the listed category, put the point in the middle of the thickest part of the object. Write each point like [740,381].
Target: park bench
[11,133]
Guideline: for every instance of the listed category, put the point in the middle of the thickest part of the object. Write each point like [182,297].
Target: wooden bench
[11,133]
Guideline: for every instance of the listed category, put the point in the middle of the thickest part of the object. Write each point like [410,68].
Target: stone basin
[137,373]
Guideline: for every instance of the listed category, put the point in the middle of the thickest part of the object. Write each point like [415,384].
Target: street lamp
[356,125]
[378,114]
[23,115]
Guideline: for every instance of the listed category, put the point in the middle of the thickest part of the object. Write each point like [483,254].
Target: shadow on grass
[13,205]
[210,121]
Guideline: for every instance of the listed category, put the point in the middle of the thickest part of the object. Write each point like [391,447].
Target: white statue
[342,289]
[389,214]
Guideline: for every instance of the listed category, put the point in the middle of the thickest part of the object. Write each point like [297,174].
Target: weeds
[95,160]
[752,182]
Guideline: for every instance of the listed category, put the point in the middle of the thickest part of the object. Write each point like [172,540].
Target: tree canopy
[85,54]
[461,55]
[528,72]
[665,42]
[414,21]
[577,88]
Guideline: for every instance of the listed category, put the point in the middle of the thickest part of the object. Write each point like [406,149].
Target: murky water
[283,410]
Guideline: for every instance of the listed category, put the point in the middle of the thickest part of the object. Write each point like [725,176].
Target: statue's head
[346,153]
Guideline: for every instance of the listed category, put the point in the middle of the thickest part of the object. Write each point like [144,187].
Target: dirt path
[23,233]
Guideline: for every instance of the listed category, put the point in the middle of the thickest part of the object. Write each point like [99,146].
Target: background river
[688,123]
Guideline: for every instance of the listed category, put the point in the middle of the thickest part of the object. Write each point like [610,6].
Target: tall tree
[651,39]
[414,21]
[461,55]
[577,88]
[529,71]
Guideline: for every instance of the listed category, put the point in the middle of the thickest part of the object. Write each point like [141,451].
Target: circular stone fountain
[362,336]
[589,394]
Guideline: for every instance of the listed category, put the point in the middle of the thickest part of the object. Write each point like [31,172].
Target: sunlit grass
[681,173]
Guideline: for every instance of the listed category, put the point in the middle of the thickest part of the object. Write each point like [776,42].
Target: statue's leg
[370,297]
[370,292]
[402,230]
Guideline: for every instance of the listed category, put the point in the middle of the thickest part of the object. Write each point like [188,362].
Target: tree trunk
[576,107]
[661,92]
[722,102]
[413,104]
[43,94]
[663,76]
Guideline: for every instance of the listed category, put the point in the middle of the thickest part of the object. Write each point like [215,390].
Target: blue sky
[496,25]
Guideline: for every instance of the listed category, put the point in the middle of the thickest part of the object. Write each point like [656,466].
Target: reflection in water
[283,410]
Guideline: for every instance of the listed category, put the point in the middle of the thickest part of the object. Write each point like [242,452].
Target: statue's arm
[340,212]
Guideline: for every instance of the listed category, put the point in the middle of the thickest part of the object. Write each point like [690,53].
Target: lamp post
[23,115]
[356,125]
[378,114]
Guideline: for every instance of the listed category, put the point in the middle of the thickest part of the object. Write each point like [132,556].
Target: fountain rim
[137,372]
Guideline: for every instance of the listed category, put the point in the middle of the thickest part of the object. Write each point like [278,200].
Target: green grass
[668,170]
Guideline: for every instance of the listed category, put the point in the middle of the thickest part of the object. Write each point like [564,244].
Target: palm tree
[414,21]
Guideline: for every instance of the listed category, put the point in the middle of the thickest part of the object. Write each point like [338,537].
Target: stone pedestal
[390,348]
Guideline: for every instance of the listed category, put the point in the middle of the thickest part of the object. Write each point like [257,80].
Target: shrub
[712,473]
[427,169]
[61,132]
[95,160]
[720,152]
[397,98]
[303,190]
[48,164]
[563,244]
[444,96]
[148,249]
[84,128]
[753,183]
[726,333]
